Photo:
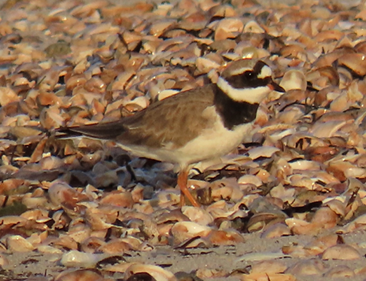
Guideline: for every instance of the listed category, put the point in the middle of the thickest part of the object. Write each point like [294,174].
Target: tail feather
[101,131]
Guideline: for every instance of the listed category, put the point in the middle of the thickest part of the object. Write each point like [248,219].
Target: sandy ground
[30,265]
[225,259]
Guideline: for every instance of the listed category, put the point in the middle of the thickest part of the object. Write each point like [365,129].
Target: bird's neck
[234,113]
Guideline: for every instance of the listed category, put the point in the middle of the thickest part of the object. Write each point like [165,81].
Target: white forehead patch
[266,72]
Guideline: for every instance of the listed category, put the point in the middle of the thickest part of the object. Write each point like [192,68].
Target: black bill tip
[275,87]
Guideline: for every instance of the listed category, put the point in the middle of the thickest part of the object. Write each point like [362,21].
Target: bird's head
[247,80]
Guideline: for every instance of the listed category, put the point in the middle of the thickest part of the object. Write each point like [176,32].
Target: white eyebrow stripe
[265,72]
[240,71]
[250,95]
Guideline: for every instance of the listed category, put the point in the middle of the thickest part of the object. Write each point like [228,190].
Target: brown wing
[176,119]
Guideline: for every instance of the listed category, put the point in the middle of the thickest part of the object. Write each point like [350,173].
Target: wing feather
[177,119]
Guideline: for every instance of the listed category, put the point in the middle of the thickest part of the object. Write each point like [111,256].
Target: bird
[196,125]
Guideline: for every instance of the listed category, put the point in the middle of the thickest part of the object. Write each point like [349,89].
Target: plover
[195,125]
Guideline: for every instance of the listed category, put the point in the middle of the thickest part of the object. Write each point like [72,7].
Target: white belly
[211,143]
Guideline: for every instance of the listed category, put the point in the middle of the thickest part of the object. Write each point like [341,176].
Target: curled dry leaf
[79,259]
[182,231]
[271,276]
[339,272]
[17,243]
[62,194]
[228,237]
[293,80]
[356,62]
[156,272]
[308,267]
[341,252]
[276,230]
[7,96]
[273,266]
[79,275]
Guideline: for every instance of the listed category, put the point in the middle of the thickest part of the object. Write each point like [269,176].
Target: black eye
[248,75]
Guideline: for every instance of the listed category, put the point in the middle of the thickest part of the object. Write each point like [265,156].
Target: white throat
[250,95]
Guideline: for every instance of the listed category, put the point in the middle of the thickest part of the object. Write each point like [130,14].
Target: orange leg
[182,183]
